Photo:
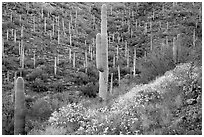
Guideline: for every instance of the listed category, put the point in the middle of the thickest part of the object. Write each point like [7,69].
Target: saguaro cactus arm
[99,63]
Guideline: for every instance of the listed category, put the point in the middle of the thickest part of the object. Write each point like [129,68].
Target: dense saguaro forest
[151,53]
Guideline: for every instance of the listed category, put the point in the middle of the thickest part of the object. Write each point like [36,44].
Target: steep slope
[171,104]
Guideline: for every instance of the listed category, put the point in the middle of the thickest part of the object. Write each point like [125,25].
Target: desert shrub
[90,89]
[93,74]
[39,86]
[7,115]
[37,73]
[40,62]
[41,109]
[57,86]
[80,78]
[156,63]
[10,63]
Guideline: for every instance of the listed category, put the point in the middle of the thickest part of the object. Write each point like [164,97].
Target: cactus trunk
[102,55]
[19,115]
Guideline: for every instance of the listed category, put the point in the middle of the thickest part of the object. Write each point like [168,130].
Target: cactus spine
[19,115]
[102,55]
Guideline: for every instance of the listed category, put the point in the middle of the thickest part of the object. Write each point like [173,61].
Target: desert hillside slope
[171,104]
[154,60]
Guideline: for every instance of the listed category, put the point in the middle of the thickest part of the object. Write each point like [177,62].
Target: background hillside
[148,28]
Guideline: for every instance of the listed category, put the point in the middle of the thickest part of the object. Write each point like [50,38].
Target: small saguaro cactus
[55,66]
[19,111]
[176,48]
[7,35]
[111,84]
[74,58]
[134,62]
[45,24]
[15,36]
[118,75]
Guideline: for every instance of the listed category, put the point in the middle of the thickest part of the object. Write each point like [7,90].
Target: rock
[191,101]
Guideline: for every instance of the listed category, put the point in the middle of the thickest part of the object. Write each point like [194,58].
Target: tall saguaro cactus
[19,115]
[102,55]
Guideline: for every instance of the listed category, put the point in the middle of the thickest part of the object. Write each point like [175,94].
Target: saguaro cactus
[118,75]
[111,84]
[102,55]
[134,62]
[176,48]
[7,35]
[19,115]
[74,58]
[45,24]
[55,66]
[15,36]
